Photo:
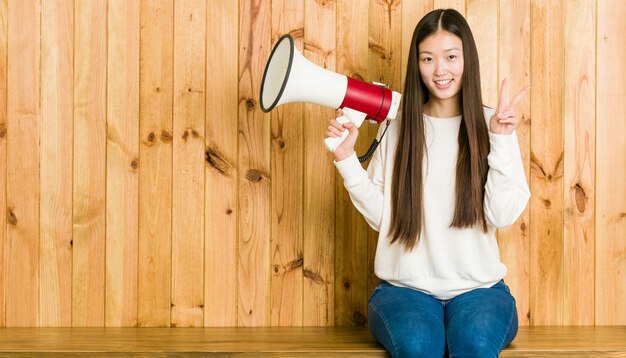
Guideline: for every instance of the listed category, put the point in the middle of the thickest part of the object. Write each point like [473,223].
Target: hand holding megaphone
[341,135]
[290,77]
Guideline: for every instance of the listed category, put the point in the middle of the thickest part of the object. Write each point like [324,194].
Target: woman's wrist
[341,156]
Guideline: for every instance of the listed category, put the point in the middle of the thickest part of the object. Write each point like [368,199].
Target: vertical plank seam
[563,146]
[301,129]
[270,201]
[595,167]
[39,129]
[138,147]
[531,237]
[137,257]
[204,218]
[6,174]
[72,165]
[238,165]
[106,158]
[171,283]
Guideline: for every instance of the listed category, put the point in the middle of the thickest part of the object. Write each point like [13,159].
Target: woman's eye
[427,59]
[453,57]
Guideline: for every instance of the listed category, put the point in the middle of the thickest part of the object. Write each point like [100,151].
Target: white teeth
[443,82]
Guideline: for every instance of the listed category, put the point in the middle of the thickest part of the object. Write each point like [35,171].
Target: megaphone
[290,77]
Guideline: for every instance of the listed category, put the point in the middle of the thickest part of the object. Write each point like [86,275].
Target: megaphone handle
[350,115]
[333,142]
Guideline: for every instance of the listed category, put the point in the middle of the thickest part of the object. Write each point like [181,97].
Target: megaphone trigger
[349,116]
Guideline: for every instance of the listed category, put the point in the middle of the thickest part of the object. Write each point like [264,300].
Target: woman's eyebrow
[446,50]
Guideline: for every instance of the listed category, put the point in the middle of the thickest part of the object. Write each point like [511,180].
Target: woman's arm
[506,190]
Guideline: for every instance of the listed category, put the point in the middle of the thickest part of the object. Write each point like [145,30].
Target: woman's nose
[440,68]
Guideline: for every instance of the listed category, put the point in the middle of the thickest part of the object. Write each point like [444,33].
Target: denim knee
[476,348]
[408,323]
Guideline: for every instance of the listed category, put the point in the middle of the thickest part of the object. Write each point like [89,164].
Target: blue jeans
[410,323]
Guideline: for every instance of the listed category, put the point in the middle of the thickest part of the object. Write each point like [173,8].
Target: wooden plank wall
[143,186]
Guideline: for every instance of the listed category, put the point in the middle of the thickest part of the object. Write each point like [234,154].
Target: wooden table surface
[284,342]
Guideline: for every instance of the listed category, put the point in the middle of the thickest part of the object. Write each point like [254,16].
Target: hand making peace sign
[504,120]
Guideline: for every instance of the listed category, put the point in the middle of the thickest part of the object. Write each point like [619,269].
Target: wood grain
[57,89]
[254,167]
[319,176]
[384,66]
[458,5]
[122,163]
[265,233]
[412,13]
[482,17]
[579,136]
[3,151]
[514,64]
[351,236]
[546,167]
[23,162]
[90,71]
[156,65]
[286,186]
[610,167]
[282,342]
[220,235]
[188,164]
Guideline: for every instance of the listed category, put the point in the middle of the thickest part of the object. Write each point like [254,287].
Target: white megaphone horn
[290,77]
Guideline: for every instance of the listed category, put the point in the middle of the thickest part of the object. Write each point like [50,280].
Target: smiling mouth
[443,82]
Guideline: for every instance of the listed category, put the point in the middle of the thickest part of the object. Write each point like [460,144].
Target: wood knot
[190,132]
[250,104]
[294,264]
[324,3]
[229,211]
[379,50]
[276,269]
[166,137]
[581,198]
[254,175]
[313,276]
[359,318]
[522,226]
[357,76]
[547,203]
[134,164]
[151,138]
[281,143]
[216,160]
[157,90]
[346,285]
[11,219]
[3,131]
[297,33]
[72,243]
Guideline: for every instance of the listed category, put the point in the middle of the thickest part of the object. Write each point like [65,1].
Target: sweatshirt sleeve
[364,187]
[506,190]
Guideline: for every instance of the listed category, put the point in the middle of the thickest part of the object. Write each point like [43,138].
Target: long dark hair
[471,169]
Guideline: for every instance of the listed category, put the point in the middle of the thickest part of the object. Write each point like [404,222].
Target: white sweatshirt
[447,261]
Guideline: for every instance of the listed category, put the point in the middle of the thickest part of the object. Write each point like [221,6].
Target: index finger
[520,95]
[503,90]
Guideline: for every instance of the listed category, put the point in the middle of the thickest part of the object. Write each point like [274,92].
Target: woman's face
[441,64]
